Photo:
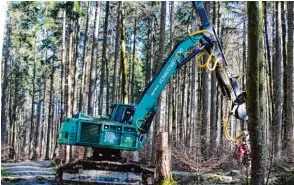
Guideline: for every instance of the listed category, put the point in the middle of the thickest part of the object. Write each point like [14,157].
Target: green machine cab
[115,131]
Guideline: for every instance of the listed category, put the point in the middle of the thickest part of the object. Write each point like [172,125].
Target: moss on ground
[5,173]
[10,183]
[169,180]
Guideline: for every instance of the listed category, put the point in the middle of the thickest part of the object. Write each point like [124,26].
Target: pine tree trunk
[171,85]
[104,59]
[31,129]
[205,106]
[192,134]
[277,84]
[123,58]
[4,68]
[253,106]
[213,122]
[269,69]
[150,50]
[12,153]
[42,133]
[93,66]
[93,62]
[36,146]
[84,61]
[62,72]
[76,64]
[273,49]
[261,67]
[107,107]
[157,123]
[4,87]
[149,74]
[188,122]
[285,89]
[50,117]
[162,158]
[133,63]
[116,54]
[183,103]
[69,112]
[132,82]
[267,40]
[62,81]
[160,61]
[3,10]
[290,70]
[70,67]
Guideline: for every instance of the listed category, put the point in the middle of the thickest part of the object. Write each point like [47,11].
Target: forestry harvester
[127,127]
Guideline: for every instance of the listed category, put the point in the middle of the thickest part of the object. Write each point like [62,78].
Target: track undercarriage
[105,167]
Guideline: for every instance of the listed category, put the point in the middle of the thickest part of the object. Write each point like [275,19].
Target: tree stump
[163,161]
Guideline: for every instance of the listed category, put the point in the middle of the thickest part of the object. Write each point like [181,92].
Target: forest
[63,58]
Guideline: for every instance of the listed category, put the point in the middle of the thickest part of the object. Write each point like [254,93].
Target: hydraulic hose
[226,128]
[210,58]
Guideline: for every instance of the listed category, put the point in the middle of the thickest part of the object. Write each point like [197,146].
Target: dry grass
[188,159]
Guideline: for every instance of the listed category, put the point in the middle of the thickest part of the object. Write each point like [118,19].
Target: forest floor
[43,172]
[28,172]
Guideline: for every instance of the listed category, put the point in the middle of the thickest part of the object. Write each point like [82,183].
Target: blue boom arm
[146,106]
[147,103]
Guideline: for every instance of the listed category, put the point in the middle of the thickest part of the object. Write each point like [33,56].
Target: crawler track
[104,172]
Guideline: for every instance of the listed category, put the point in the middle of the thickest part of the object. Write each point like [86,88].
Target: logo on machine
[109,137]
[128,140]
[167,70]
[154,90]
